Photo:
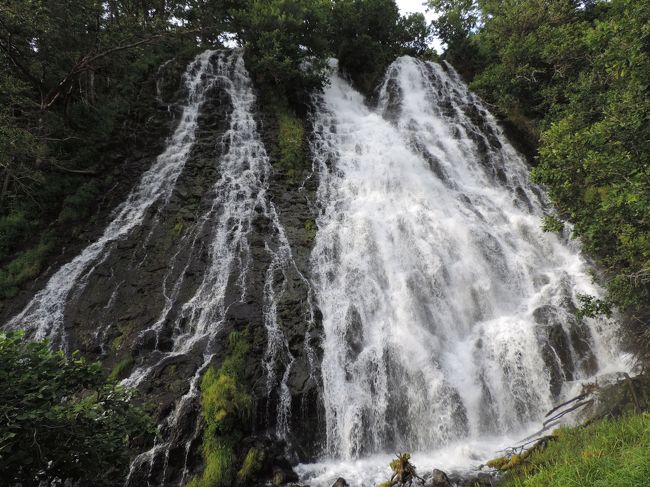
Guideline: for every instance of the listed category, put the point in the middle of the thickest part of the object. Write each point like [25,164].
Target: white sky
[410,6]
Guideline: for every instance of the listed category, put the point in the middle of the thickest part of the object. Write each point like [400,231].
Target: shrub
[59,420]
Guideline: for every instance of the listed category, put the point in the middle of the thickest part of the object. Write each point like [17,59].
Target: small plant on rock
[404,473]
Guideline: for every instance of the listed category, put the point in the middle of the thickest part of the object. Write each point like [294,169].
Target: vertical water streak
[447,312]
[44,314]
[239,203]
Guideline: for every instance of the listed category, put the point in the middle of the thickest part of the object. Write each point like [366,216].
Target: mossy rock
[253,464]
[226,405]
[310,230]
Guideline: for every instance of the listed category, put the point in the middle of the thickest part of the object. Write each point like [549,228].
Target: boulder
[439,479]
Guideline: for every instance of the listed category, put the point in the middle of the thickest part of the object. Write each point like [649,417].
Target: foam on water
[369,471]
[448,313]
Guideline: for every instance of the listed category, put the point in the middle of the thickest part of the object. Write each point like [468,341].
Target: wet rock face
[566,347]
[340,482]
[439,479]
[131,309]
[297,313]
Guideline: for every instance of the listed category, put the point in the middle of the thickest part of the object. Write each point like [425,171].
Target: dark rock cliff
[127,291]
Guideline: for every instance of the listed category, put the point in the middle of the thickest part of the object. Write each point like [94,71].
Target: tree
[60,421]
[574,75]
[454,26]
[286,43]
[367,35]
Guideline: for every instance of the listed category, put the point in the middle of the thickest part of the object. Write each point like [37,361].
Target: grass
[120,370]
[24,267]
[606,453]
[225,406]
[253,463]
[290,144]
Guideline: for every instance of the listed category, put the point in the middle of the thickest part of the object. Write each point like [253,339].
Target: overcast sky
[408,6]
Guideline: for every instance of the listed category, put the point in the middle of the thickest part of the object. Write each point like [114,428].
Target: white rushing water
[44,315]
[445,307]
[218,243]
[238,197]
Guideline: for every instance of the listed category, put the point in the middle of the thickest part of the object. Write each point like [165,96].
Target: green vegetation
[77,87]
[253,463]
[310,230]
[607,453]
[403,472]
[60,420]
[26,265]
[226,407]
[120,370]
[573,76]
[291,133]
[367,35]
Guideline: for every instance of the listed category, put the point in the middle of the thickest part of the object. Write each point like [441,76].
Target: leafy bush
[60,421]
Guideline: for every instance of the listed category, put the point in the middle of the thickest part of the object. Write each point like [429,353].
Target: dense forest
[569,80]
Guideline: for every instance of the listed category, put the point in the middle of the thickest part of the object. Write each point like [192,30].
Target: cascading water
[44,315]
[448,314]
[216,245]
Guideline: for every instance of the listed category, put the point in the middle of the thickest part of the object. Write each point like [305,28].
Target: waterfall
[234,233]
[44,314]
[448,314]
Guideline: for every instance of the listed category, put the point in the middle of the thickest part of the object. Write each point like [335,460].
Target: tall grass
[607,453]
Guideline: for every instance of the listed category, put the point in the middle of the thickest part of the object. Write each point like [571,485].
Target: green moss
[252,465]
[178,228]
[498,463]
[25,266]
[607,453]
[219,460]
[116,343]
[120,370]
[290,144]
[226,405]
[310,230]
